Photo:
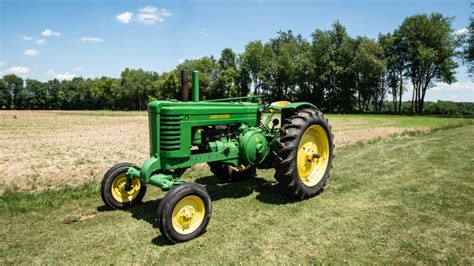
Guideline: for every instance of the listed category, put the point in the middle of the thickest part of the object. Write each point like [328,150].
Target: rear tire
[304,157]
[228,173]
[112,188]
[184,213]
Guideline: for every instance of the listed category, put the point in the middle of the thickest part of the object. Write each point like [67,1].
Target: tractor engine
[250,142]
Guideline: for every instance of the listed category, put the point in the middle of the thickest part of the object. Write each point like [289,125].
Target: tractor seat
[275,107]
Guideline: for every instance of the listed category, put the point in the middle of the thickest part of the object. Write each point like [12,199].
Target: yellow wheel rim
[119,192]
[188,214]
[313,155]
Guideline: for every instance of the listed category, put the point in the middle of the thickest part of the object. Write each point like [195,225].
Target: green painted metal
[133,172]
[150,166]
[195,86]
[288,110]
[164,181]
[197,138]
[253,147]
[177,141]
[252,98]
[174,128]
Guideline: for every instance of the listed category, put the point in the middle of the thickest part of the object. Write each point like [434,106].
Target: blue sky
[62,39]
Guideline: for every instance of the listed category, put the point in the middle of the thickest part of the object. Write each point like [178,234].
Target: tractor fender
[288,110]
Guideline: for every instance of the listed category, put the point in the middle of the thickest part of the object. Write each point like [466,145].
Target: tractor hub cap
[119,191]
[313,155]
[188,214]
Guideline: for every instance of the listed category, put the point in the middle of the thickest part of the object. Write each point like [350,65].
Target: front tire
[184,213]
[304,159]
[113,188]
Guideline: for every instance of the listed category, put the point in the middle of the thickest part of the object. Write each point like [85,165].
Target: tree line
[334,71]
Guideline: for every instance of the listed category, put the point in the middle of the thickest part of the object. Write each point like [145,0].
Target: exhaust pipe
[195,86]
[184,86]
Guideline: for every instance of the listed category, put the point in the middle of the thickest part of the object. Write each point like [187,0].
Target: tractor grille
[170,132]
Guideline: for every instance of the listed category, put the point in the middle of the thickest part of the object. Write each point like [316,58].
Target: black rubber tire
[227,173]
[167,205]
[106,187]
[286,172]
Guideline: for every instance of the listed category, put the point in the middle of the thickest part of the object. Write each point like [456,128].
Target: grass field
[406,199]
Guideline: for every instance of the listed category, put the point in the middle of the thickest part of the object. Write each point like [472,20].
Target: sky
[71,38]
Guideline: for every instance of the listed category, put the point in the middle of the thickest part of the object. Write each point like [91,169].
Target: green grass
[353,121]
[407,200]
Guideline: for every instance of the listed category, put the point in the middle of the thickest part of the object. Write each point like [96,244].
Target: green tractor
[228,135]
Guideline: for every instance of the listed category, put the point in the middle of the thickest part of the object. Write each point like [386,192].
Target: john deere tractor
[234,136]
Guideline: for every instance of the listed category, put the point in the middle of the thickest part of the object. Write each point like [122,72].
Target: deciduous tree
[428,45]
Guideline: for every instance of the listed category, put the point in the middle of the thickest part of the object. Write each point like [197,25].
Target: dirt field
[53,149]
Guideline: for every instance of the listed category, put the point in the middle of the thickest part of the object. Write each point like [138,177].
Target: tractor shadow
[268,192]
[146,211]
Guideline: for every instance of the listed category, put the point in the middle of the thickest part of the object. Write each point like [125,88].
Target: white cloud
[91,39]
[50,73]
[60,76]
[124,17]
[49,33]
[461,32]
[150,15]
[456,86]
[77,69]
[65,76]
[26,37]
[31,52]
[181,60]
[18,70]
[40,41]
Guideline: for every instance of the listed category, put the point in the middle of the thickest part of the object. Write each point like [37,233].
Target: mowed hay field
[401,199]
